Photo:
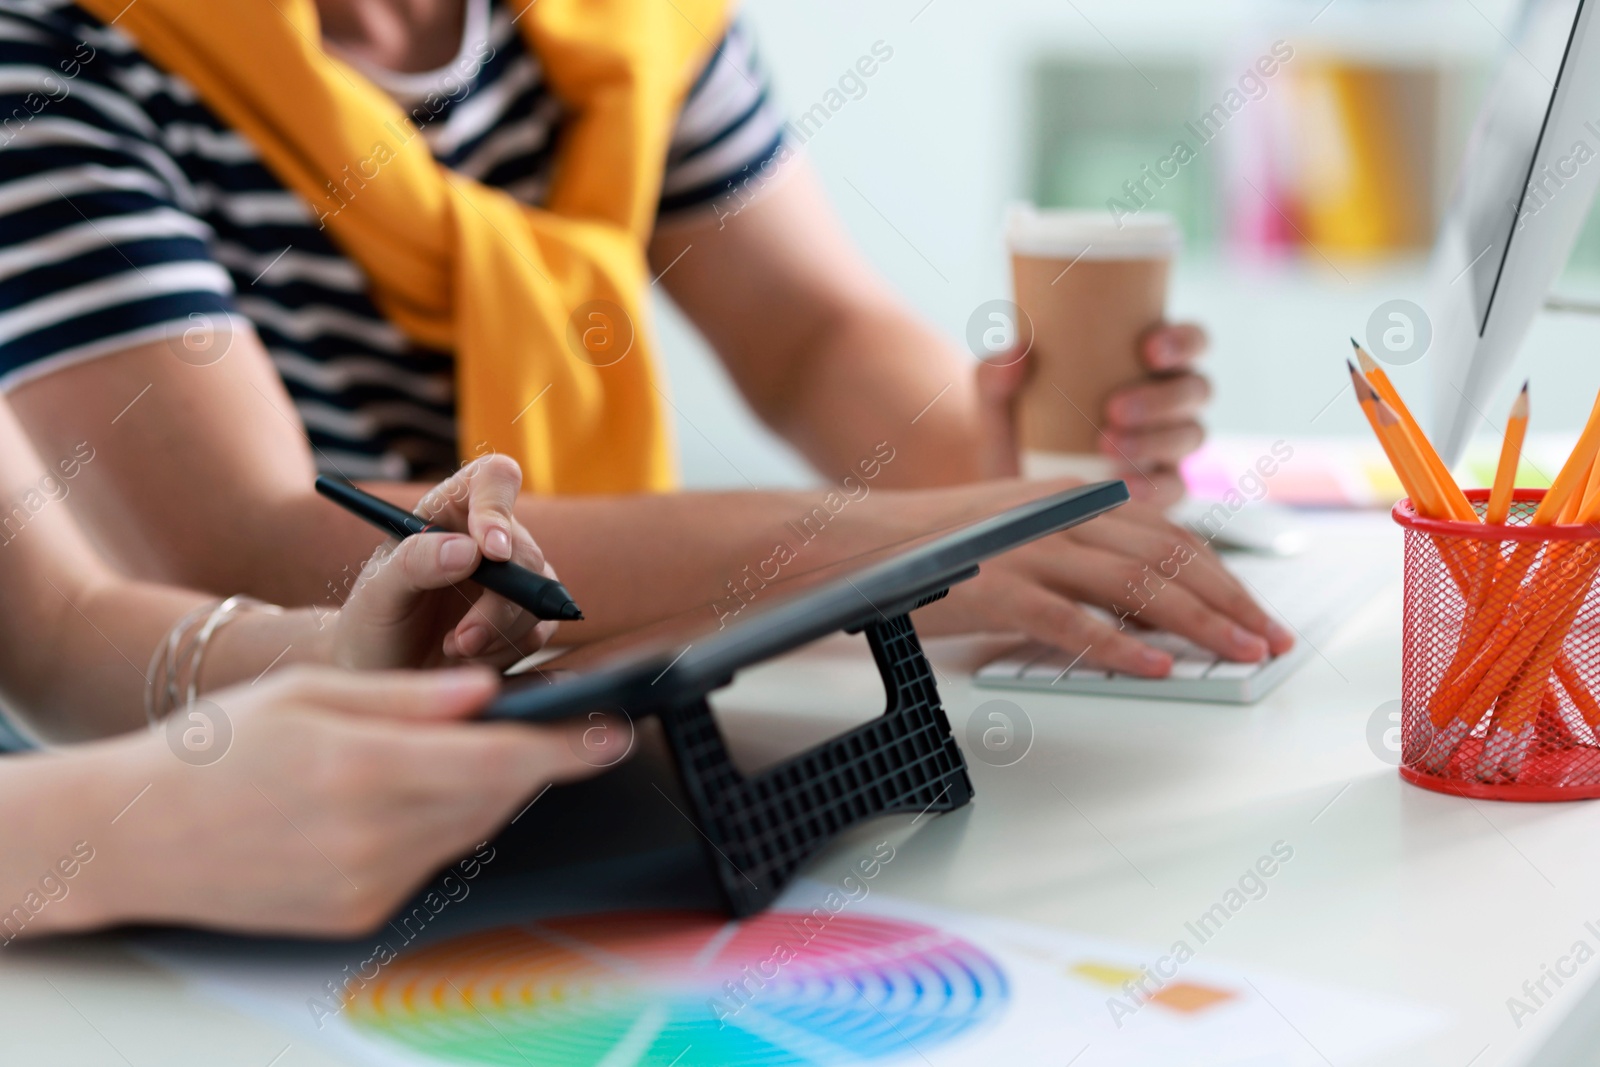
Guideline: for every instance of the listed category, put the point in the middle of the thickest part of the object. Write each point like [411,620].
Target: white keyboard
[1313,593]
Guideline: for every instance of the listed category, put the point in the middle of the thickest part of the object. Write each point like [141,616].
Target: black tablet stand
[759,829]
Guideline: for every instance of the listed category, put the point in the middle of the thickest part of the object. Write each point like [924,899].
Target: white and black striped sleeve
[96,253]
[729,126]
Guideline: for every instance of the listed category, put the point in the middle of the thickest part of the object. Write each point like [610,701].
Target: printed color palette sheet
[823,978]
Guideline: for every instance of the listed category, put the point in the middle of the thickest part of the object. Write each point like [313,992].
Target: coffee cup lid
[1091,234]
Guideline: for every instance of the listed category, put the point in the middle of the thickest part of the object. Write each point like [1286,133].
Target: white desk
[1392,889]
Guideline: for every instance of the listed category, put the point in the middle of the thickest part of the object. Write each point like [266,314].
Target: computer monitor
[1529,174]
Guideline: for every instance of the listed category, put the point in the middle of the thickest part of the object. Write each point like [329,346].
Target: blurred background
[1314,204]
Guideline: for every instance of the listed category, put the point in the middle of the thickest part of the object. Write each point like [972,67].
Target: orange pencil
[1426,494]
[1413,475]
[1574,504]
[1573,472]
[1505,484]
[1412,468]
[1572,682]
[1506,744]
[1503,754]
[1505,475]
[1454,500]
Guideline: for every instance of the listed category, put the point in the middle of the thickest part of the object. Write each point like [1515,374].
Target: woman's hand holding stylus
[409,606]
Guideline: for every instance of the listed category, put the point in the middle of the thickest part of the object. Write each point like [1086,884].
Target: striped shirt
[129,213]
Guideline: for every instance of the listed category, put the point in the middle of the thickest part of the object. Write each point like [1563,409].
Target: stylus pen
[545,597]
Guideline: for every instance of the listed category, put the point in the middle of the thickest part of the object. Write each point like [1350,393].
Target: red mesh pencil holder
[1501,655]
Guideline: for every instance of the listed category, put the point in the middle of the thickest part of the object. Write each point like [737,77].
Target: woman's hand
[408,609]
[339,795]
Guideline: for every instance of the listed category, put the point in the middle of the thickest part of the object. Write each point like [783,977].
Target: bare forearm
[79,672]
[822,349]
[644,558]
[632,560]
[879,374]
[74,661]
[58,808]
[85,676]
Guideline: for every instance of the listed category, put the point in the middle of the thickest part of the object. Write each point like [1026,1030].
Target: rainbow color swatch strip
[685,989]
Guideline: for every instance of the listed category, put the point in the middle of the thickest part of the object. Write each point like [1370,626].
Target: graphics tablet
[691,654]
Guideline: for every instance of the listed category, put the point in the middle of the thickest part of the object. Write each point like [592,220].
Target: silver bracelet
[160,693]
[175,666]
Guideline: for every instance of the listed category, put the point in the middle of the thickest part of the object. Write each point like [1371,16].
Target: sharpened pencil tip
[1368,364]
[1355,344]
[1364,391]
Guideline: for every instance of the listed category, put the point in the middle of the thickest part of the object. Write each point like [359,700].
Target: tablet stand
[759,829]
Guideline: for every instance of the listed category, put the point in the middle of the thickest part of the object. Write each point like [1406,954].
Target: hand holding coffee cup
[1106,386]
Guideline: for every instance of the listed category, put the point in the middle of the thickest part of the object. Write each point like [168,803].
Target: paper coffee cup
[1089,286]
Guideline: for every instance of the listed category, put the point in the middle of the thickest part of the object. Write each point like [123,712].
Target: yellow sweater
[544,308]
